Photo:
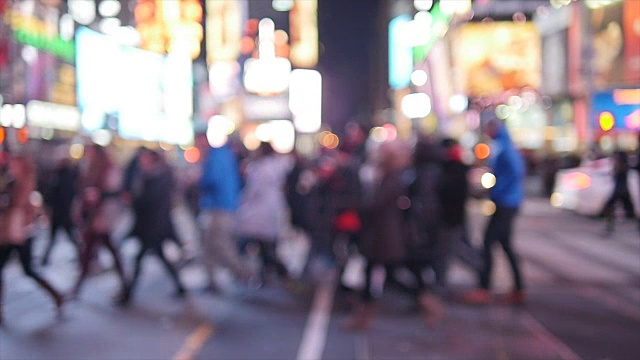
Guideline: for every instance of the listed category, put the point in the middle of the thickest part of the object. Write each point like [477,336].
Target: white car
[585,189]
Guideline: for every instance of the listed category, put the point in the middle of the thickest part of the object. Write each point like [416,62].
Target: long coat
[152,205]
[383,226]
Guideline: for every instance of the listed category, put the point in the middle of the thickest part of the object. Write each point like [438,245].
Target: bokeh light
[192,155]
[76,151]
[419,77]
[556,200]
[488,208]
[329,140]
[482,151]
[488,180]
[251,141]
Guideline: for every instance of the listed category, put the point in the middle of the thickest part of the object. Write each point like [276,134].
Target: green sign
[64,49]
[439,23]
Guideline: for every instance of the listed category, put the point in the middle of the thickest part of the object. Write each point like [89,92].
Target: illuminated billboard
[36,54]
[141,94]
[617,109]
[494,57]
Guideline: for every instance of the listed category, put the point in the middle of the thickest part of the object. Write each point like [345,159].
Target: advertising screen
[491,58]
[617,109]
[142,95]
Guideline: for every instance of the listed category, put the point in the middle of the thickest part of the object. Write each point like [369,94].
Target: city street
[583,303]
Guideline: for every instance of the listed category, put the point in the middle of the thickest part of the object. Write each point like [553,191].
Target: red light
[482,151]
[23,135]
[192,155]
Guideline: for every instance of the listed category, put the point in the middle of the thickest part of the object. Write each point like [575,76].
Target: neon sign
[303,20]
[34,32]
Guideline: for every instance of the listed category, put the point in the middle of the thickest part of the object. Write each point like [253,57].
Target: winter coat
[152,205]
[453,192]
[507,165]
[220,182]
[262,203]
[63,191]
[383,230]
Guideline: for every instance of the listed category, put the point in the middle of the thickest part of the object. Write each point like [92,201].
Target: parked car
[586,188]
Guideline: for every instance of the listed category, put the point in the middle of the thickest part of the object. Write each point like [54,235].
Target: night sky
[346,37]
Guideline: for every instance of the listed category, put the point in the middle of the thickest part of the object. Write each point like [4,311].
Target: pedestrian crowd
[395,205]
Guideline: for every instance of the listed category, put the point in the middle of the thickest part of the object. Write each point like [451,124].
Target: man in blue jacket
[219,198]
[507,165]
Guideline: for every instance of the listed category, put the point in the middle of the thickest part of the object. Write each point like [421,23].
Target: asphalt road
[583,303]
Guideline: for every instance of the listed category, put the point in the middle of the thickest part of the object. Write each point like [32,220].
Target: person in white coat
[262,211]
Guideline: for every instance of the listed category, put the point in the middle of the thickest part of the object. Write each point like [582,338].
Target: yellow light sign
[224,30]
[303,23]
[170,26]
[607,121]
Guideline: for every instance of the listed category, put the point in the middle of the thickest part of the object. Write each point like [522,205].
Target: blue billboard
[617,109]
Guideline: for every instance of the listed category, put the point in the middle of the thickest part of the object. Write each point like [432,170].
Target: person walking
[17,221]
[453,192]
[132,175]
[261,214]
[382,239]
[151,201]
[96,212]
[64,187]
[507,194]
[219,190]
[620,192]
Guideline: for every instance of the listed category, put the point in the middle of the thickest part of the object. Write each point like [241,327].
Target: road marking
[192,345]
[315,331]
[552,342]
[362,347]
[612,302]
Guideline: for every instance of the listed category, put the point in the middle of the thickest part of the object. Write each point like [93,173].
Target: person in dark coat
[453,191]
[425,213]
[382,240]
[152,206]
[64,186]
[131,174]
[620,191]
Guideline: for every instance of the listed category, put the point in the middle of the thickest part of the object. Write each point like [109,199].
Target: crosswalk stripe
[544,335]
[569,264]
[606,254]
[315,332]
